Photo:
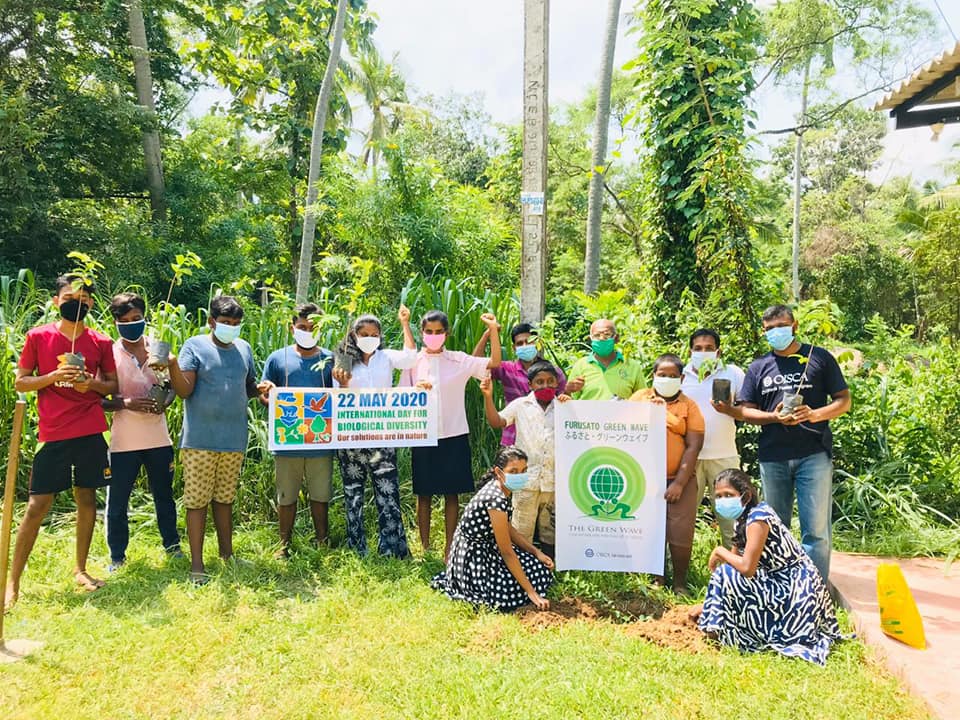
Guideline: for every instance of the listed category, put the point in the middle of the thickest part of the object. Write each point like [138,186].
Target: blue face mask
[132,331]
[516,481]
[729,507]
[779,337]
[227,333]
[526,353]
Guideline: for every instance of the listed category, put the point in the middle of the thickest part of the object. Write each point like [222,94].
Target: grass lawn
[328,635]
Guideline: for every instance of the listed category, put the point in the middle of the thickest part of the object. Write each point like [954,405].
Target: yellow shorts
[209,475]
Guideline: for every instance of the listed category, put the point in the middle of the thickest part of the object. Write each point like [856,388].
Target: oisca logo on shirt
[607,484]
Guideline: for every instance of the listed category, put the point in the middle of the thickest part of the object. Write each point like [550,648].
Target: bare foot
[87,582]
[695,612]
[10,598]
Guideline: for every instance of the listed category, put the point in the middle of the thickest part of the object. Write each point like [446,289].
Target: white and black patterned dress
[476,571]
[785,606]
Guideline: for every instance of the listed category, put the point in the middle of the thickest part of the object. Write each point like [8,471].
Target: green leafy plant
[183,266]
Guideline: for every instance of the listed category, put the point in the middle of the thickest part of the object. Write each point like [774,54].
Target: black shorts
[60,464]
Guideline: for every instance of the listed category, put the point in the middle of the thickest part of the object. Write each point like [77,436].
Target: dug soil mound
[639,617]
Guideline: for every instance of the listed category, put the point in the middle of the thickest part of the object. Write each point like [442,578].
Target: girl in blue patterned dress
[491,563]
[765,593]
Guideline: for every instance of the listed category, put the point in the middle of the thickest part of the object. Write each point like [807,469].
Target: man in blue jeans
[796,446]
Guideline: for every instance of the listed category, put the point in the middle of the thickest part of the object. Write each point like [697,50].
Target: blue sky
[466,46]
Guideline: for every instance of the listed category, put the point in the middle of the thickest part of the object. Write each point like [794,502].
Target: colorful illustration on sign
[607,484]
[303,418]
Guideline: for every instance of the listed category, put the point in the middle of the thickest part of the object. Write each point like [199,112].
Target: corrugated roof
[929,73]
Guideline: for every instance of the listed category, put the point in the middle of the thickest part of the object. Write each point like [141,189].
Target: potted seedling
[720,387]
[160,346]
[85,275]
[792,400]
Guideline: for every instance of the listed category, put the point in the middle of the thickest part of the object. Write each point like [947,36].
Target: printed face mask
[435,342]
[227,333]
[132,331]
[545,394]
[526,353]
[697,357]
[516,481]
[729,507]
[603,348]
[368,344]
[779,337]
[666,387]
[304,338]
[73,310]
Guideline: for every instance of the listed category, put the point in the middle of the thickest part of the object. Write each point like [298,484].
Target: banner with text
[611,475]
[332,418]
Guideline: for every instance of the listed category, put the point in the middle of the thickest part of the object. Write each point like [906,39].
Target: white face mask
[304,338]
[368,344]
[666,387]
[697,358]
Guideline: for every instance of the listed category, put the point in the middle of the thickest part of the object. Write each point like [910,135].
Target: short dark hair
[225,306]
[705,332]
[777,311]
[520,329]
[541,366]
[304,311]
[435,316]
[668,358]
[69,279]
[124,303]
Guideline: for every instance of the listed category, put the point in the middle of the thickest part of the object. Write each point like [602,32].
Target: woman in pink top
[446,469]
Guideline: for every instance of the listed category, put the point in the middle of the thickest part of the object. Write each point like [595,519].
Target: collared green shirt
[621,379]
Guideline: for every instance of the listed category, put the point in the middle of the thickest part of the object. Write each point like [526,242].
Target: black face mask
[73,310]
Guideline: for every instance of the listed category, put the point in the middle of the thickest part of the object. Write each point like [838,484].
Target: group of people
[766,589]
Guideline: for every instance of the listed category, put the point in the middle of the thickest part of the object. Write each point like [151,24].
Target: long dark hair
[348,346]
[741,482]
[504,456]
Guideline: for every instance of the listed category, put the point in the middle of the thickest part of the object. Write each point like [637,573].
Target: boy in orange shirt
[685,428]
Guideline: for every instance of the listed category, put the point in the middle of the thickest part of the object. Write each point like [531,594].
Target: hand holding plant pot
[159,352]
[75,309]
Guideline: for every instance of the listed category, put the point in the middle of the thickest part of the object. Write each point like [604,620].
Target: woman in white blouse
[373,367]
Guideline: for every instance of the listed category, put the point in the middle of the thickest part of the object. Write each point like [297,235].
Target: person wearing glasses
[604,374]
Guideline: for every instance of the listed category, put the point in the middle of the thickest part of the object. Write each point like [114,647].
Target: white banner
[611,476]
[303,418]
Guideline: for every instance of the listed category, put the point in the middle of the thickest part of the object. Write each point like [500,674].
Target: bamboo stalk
[13,464]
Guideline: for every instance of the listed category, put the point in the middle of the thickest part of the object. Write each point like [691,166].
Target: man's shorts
[59,464]
[209,475]
[315,472]
[535,509]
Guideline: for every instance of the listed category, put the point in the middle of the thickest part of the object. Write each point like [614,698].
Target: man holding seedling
[215,376]
[793,392]
[71,368]
[604,374]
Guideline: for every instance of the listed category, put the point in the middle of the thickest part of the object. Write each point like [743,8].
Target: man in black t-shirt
[796,446]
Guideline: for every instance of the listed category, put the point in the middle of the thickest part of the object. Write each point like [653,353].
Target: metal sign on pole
[533,262]
[11,650]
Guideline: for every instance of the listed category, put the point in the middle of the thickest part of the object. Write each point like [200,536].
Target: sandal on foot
[199,578]
[87,582]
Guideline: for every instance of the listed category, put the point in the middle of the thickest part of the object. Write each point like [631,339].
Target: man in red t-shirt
[72,423]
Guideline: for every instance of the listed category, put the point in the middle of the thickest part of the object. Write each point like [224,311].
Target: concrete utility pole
[533,260]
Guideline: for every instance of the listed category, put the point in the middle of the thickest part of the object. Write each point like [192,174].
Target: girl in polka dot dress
[490,562]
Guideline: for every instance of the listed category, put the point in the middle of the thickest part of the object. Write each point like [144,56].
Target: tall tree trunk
[151,137]
[591,273]
[316,149]
[797,178]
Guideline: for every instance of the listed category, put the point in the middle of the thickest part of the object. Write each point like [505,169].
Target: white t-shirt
[720,437]
[535,437]
[378,371]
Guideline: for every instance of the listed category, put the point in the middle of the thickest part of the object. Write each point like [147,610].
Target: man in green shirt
[604,373]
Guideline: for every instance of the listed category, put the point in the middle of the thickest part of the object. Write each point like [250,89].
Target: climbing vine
[693,77]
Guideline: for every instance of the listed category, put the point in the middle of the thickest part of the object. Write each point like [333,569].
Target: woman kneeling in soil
[765,593]
[490,562]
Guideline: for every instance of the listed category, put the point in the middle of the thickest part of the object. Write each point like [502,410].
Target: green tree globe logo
[607,484]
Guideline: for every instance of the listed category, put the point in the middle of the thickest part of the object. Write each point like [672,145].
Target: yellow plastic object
[899,617]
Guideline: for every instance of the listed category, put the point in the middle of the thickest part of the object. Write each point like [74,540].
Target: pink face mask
[435,342]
